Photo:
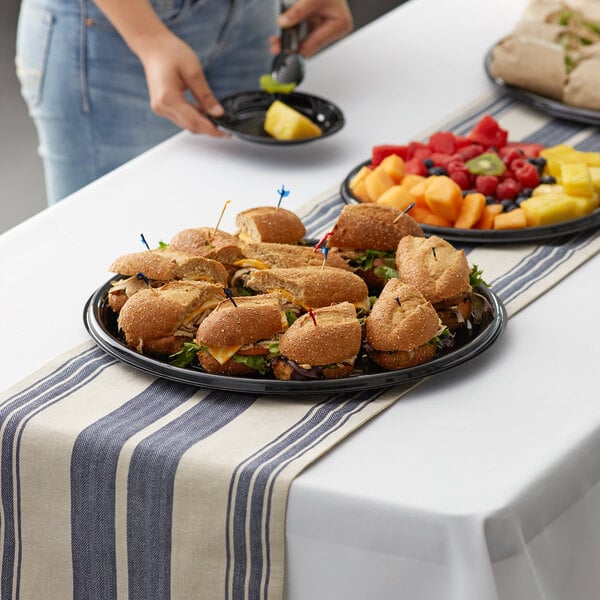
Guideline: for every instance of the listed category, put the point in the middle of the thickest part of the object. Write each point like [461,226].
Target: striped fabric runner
[117,485]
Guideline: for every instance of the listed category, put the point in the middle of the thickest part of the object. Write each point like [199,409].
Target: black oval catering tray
[553,108]
[245,115]
[491,236]
[100,322]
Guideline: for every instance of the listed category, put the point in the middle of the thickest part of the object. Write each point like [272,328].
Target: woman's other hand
[328,21]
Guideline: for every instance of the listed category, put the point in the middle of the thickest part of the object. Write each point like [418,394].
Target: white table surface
[482,483]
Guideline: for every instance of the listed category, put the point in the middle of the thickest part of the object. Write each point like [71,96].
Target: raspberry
[461,178]
[527,175]
[486,184]
[455,165]
[517,164]
[510,155]
[508,189]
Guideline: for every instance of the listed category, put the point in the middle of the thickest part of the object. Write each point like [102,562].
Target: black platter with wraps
[551,107]
[488,324]
[245,115]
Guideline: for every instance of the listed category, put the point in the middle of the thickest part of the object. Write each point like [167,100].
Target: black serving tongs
[288,65]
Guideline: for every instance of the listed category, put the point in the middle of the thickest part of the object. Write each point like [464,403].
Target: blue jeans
[86,90]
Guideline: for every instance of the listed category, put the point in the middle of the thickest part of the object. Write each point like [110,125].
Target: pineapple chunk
[557,155]
[595,178]
[548,209]
[575,179]
[547,188]
[285,123]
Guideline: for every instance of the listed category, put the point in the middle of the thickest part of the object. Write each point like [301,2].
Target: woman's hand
[328,21]
[172,68]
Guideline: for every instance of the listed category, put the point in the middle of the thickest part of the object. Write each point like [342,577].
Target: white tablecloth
[482,483]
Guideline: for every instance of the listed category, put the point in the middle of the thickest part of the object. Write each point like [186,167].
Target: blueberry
[509,205]
[437,171]
[548,179]
[526,193]
[490,200]
[428,163]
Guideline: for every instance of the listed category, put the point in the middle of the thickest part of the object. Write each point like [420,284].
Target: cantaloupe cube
[286,123]
[470,211]
[418,190]
[444,197]
[397,196]
[360,191]
[575,179]
[411,179]
[377,182]
[424,215]
[357,184]
[394,166]
[515,219]
[359,176]
[486,221]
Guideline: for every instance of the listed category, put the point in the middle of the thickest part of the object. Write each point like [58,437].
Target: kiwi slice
[486,164]
[270,85]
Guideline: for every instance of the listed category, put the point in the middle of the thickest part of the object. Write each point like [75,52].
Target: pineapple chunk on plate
[245,115]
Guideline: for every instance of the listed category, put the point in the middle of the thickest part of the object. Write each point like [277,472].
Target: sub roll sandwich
[441,273]
[240,335]
[367,236]
[260,256]
[207,242]
[153,268]
[269,224]
[322,344]
[312,287]
[403,329]
[160,320]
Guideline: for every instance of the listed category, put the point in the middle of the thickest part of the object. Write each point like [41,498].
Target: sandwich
[259,256]
[403,329]
[209,243]
[238,337]
[160,320]
[367,236]
[153,268]
[270,224]
[322,344]
[441,273]
[313,287]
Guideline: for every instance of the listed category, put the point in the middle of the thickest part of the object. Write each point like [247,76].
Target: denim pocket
[33,41]
[168,11]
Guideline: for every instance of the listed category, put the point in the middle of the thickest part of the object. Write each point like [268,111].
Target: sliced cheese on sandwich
[222,353]
[252,262]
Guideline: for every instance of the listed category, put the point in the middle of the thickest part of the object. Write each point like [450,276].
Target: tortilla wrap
[583,86]
[532,64]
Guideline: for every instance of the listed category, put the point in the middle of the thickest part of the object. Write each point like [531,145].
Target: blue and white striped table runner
[116,485]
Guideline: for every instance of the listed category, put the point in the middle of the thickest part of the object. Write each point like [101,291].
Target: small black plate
[491,236]
[100,322]
[541,103]
[245,115]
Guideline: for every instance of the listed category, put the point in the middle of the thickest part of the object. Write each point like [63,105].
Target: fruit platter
[481,186]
